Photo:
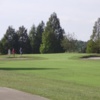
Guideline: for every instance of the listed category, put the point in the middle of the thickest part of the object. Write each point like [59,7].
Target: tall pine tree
[35,36]
[52,36]
[24,41]
[32,37]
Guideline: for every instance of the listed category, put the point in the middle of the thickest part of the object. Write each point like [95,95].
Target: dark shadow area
[11,69]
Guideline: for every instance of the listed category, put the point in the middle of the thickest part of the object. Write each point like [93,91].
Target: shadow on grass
[11,69]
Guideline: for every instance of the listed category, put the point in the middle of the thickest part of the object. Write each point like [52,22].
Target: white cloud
[76,16]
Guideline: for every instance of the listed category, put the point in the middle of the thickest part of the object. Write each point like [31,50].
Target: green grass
[54,76]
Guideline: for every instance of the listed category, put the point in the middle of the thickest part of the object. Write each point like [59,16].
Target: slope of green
[55,76]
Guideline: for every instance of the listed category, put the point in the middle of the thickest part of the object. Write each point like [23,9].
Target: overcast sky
[76,16]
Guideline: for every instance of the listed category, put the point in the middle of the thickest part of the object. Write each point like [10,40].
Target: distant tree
[68,43]
[23,39]
[40,30]
[35,36]
[32,37]
[96,31]
[9,40]
[80,46]
[71,44]
[52,36]
[90,46]
[94,43]
[1,47]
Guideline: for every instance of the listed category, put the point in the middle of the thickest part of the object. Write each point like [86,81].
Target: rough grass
[55,76]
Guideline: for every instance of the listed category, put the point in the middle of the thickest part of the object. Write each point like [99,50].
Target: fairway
[55,76]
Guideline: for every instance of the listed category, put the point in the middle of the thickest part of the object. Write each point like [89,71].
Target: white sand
[95,58]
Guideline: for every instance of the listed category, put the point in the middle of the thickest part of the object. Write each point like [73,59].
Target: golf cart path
[11,94]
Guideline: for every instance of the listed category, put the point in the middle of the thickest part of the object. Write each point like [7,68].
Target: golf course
[62,76]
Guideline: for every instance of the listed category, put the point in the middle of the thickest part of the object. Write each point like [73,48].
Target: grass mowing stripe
[55,76]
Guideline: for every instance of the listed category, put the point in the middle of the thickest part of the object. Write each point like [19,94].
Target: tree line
[49,38]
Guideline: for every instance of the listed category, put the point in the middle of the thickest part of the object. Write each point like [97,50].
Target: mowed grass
[54,76]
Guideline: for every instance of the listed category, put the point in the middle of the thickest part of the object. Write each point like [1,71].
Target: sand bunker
[95,58]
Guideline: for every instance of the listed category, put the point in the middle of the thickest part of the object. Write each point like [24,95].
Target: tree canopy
[49,38]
